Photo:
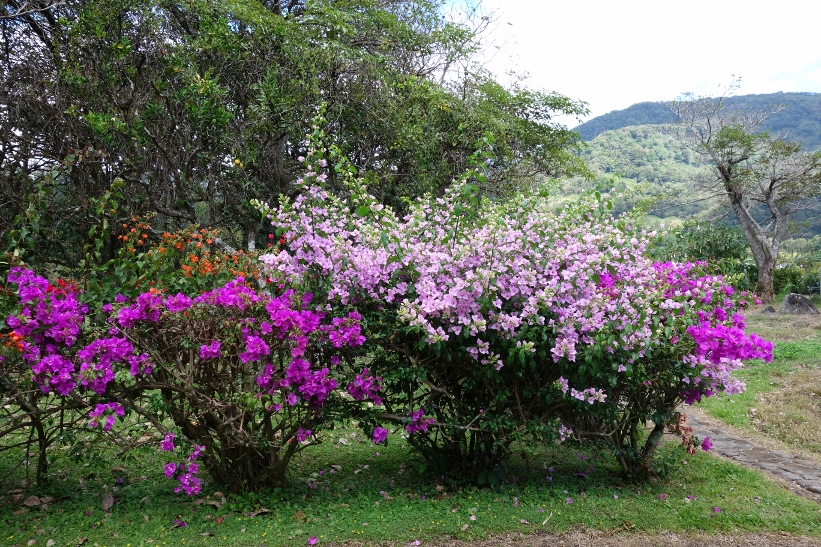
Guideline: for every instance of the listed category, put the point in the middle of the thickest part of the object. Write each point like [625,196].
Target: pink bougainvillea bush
[492,321]
[238,380]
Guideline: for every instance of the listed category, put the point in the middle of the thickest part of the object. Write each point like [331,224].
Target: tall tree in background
[200,106]
[764,178]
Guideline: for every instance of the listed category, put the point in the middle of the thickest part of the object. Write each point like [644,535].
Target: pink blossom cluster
[365,386]
[108,410]
[510,273]
[49,321]
[253,328]
[418,422]
[187,472]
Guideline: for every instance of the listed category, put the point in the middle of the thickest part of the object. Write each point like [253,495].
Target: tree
[764,178]
[199,107]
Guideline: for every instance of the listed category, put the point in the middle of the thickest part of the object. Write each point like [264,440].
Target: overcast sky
[614,53]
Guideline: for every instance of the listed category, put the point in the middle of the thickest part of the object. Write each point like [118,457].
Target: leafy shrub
[723,247]
[245,376]
[788,279]
[491,321]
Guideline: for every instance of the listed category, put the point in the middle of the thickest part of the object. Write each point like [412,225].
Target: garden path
[728,442]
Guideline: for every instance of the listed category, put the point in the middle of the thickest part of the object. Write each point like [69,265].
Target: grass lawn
[783,398]
[351,490]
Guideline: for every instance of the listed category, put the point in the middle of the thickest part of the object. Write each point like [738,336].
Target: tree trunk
[764,286]
[763,252]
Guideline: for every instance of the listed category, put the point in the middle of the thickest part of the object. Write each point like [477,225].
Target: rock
[768,309]
[31,501]
[797,304]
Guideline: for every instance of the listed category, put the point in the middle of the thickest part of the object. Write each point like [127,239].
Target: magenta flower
[168,442]
[707,443]
[210,351]
[380,435]
[312,540]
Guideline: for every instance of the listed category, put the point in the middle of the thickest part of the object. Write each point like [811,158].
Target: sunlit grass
[783,398]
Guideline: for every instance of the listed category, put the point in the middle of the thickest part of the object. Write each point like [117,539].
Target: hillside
[645,164]
[800,118]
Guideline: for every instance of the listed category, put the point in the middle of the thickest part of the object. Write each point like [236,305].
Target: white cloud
[613,54]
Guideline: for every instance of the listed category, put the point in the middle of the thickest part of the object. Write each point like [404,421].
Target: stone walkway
[802,473]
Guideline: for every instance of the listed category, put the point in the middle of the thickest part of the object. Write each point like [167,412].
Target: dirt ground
[592,538]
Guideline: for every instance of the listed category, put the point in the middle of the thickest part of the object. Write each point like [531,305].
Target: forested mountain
[800,119]
[647,165]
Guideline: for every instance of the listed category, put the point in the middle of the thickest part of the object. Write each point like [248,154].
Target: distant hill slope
[646,163]
[800,119]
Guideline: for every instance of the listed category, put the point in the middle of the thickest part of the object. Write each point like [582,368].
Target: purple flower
[168,442]
[417,422]
[312,540]
[210,351]
[178,303]
[189,483]
[568,501]
[707,443]
[380,435]
[169,469]
[365,386]
[255,349]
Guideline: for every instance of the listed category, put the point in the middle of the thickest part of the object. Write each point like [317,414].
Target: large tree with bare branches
[764,178]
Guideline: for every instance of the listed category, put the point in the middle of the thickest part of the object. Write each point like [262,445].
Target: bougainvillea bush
[238,380]
[495,321]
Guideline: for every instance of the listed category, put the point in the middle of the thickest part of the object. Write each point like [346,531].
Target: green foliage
[199,107]
[722,246]
[362,497]
[788,279]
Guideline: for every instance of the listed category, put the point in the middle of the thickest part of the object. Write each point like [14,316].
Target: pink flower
[380,435]
[211,351]
[312,540]
[168,442]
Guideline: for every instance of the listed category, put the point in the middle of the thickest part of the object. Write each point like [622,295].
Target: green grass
[381,498]
[782,397]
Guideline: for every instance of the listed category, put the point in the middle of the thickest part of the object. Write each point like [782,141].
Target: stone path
[802,473]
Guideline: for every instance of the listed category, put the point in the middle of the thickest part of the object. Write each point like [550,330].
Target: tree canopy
[195,108]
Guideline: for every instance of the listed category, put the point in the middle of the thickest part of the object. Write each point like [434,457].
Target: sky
[613,53]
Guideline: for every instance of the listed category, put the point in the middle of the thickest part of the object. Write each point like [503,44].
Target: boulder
[768,309]
[797,304]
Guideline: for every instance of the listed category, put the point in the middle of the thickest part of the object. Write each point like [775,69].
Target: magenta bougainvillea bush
[237,379]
